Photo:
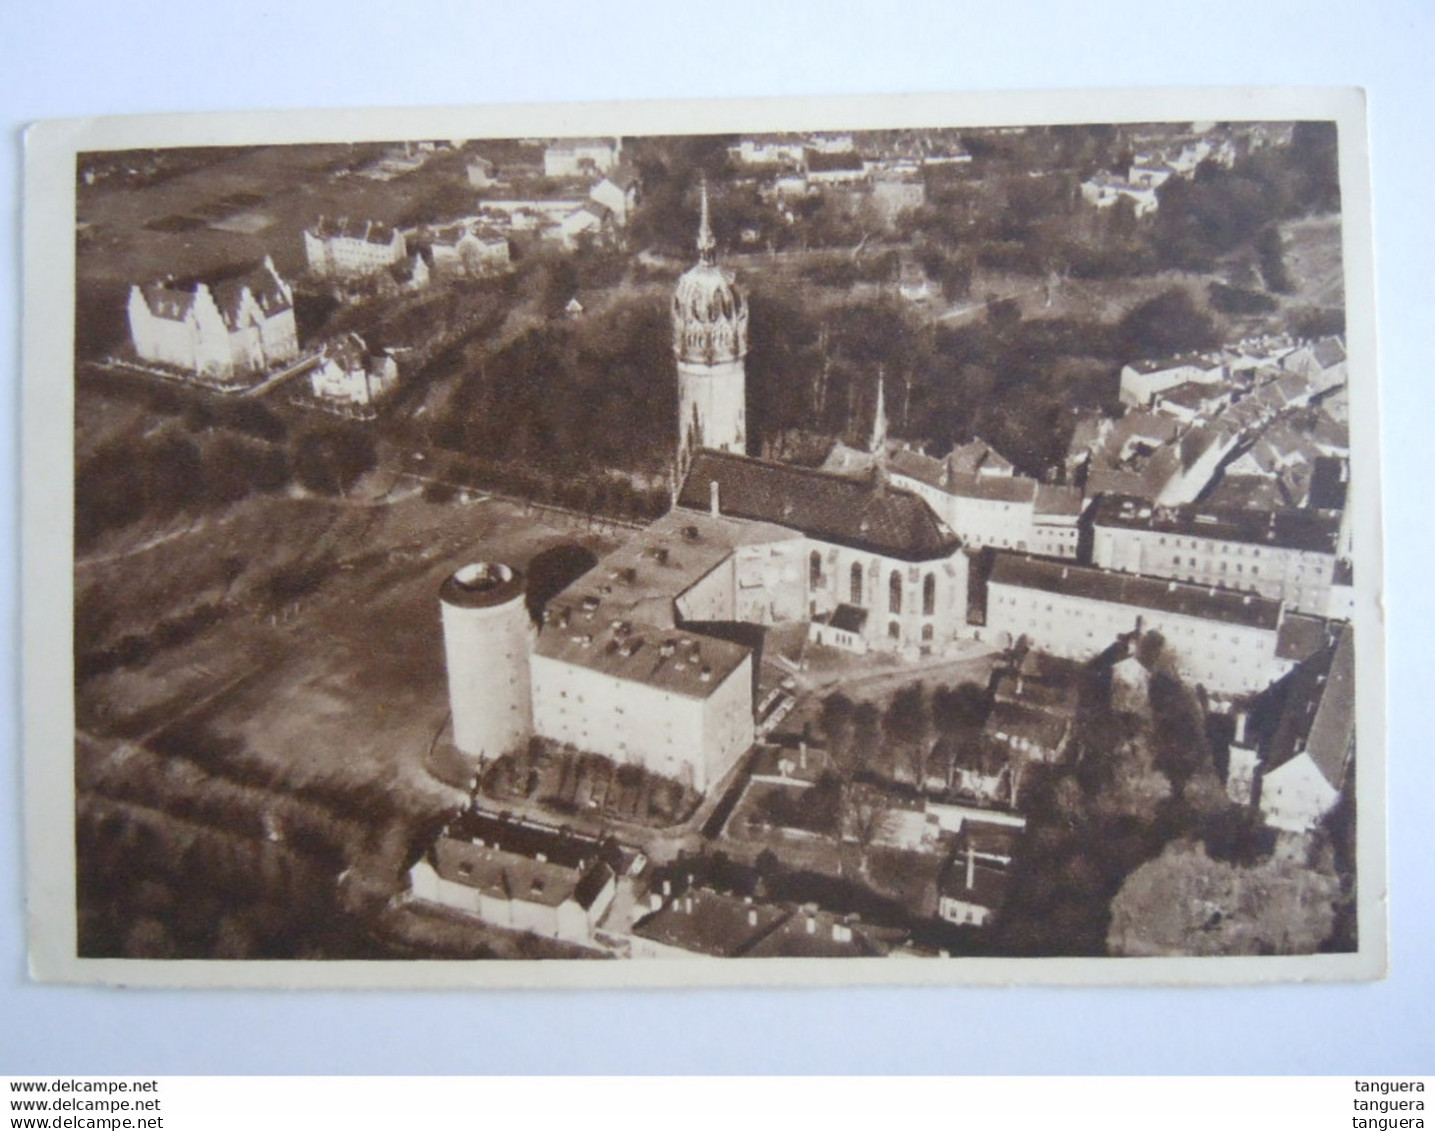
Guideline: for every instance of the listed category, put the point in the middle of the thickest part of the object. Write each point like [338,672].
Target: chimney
[971,865]
[1242,718]
[713,501]
[752,917]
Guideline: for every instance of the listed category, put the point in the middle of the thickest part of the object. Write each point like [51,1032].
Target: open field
[226,215]
[1313,261]
[324,666]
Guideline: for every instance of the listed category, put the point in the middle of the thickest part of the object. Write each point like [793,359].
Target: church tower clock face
[710,344]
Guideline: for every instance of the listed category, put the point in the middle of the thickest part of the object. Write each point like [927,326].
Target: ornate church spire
[706,244]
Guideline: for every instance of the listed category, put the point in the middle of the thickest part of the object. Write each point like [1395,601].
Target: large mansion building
[216,330]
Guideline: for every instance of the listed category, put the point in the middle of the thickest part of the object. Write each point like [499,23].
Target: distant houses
[352,249]
[465,248]
[348,375]
[579,156]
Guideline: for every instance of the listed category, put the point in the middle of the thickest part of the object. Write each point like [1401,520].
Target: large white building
[1142,380]
[710,344]
[1006,511]
[868,547]
[580,156]
[488,638]
[348,375]
[467,247]
[220,331]
[1287,555]
[554,886]
[352,249]
[1225,640]
[674,702]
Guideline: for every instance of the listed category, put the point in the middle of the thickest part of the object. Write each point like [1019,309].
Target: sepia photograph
[939,532]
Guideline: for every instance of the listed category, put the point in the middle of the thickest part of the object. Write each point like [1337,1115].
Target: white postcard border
[47,409]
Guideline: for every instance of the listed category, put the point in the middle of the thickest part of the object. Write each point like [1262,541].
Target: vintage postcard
[573,545]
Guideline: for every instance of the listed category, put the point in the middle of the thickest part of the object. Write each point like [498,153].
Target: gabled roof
[369,231]
[174,301]
[848,618]
[827,507]
[1053,500]
[819,162]
[1163,364]
[1287,529]
[165,302]
[512,876]
[992,488]
[813,933]
[1318,717]
[988,884]
[263,283]
[707,922]
[575,144]
[349,352]
[1043,729]
[914,465]
[1301,637]
[1181,598]
[1328,352]
[978,457]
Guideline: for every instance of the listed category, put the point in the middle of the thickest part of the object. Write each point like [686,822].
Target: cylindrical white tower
[488,638]
[710,343]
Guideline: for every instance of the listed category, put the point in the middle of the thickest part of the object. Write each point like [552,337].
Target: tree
[907,724]
[1180,746]
[836,722]
[958,708]
[866,735]
[1167,324]
[331,461]
[1185,903]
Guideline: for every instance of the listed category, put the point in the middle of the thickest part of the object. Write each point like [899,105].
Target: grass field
[337,682]
[1314,262]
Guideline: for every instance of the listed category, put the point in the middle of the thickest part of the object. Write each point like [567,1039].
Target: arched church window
[894,630]
[929,594]
[857,583]
[814,570]
[894,592]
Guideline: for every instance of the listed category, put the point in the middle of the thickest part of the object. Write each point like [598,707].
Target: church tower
[710,343]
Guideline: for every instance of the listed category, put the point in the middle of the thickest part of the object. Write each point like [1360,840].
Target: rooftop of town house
[1227,606]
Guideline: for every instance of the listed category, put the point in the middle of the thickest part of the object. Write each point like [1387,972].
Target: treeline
[892,746]
[210,456]
[573,397]
[195,850]
[1144,779]
[1220,210]
[1016,382]
[595,495]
